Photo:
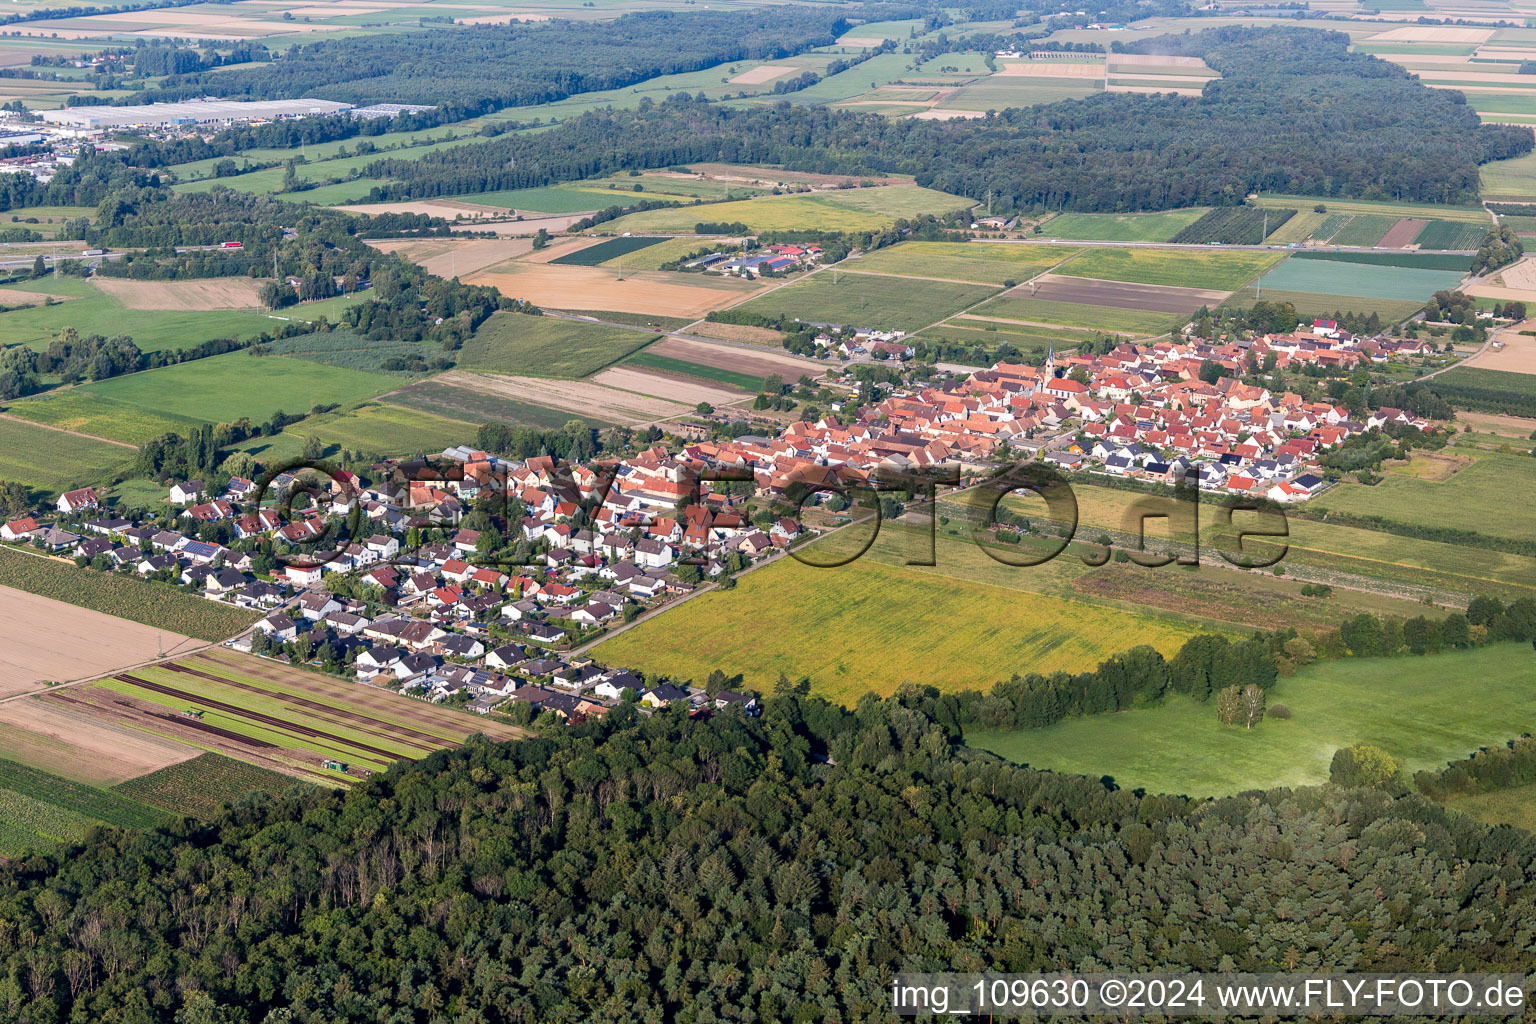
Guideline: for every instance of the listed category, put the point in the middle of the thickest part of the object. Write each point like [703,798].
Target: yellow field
[857,209]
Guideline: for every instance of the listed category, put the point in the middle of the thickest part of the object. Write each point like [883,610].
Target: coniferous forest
[771,869]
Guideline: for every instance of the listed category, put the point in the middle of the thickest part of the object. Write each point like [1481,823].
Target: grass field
[1071,314]
[1476,497]
[475,407]
[352,351]
[964,261]
[1376,207]
[53,461]
[385,430]
[1121,227]
[1363,229]
[602,252]
[74,409]
[554,199]
[224,388]
[154,604]
[548,346]
[1426,711]
[1315,304]
[1330,277]
[1511,180]
[859,209]
[199,787]
[1181,268]
[302,711]
[1450,234]
[867,300]
[666,364]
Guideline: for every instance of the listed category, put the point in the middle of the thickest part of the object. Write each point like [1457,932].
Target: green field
[38,809]
[1376,207]
[1315,304]
[1072,314]
[1403,258]
[1121,227]
[977,262]
[385,430]
[199,787]
[1516,806]
[1363,229]
[1425,711]
[474,407]
[74,409]
[548,346]
[154,604]
[351,351]
[89,310]
[53,461]
[1222,271]
[1331,277]
[224,388]
[1475,498]
[867,300]
[872,625]
[553,200]
[744,381]
[857,209]
[602,252]
[1450,234]
[1512,181]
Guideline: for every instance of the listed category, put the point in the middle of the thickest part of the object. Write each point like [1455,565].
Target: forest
[489,67]
[1294,112]
[771,869]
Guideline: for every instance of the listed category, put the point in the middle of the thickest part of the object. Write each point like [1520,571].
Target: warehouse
[168,115]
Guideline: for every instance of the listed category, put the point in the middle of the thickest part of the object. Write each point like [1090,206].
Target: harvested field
[43,639]
[1050,69]
[749,361]
[739,332]
[1431,34]
[765,73]
[58,735]
[658,384]
[1121,294]
[447,257]
[528,226]
[207,294]
[860,41]
[1521,274]
[644,291]
[1511,351]
[577,397]
[1402,234]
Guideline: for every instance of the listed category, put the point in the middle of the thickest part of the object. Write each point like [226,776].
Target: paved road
[1044,240]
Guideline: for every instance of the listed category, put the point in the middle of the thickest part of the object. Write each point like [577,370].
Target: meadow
[1122,227]
[221,389]
[1475,497]
[1423,710]
[857,209]
[351,351]
[1329,277]
[1515,806]
[977,262]
[1182,268]
[154,604]
[548,346]
[1071,314]
[456,403]
[385,430]
[554,199]
[53,461]
[86,413]
[867,300]
[1511,181]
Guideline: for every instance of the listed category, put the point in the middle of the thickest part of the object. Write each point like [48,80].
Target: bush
[1279,711]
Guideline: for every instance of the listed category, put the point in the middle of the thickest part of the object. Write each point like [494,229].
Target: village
[403,579]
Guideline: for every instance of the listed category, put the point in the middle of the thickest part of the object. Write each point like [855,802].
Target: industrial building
[191,112]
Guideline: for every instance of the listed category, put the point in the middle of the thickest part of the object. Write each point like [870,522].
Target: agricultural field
[1510,181]
[154,316]
[1443,707]
[753,363]
[54,733]
[1146,298]
[384,430]
[1313,304]
[970,262]
[1331,277]
[48,641]
[200,787]
[871,626]
[667,364]
[1020,309]
[218,389]
[457,402]
[1406,258]
[85,413]
[159,605]
[1220,271]
[557,400]
[38,810]
[293,715]
[601,253]
[548,346]
[53,461]
[1122,227]
[344,349]
[1234,225]
[1488,390]
[856,209]
[1383,208]
[1454,491]
[867,300]
[647,292]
